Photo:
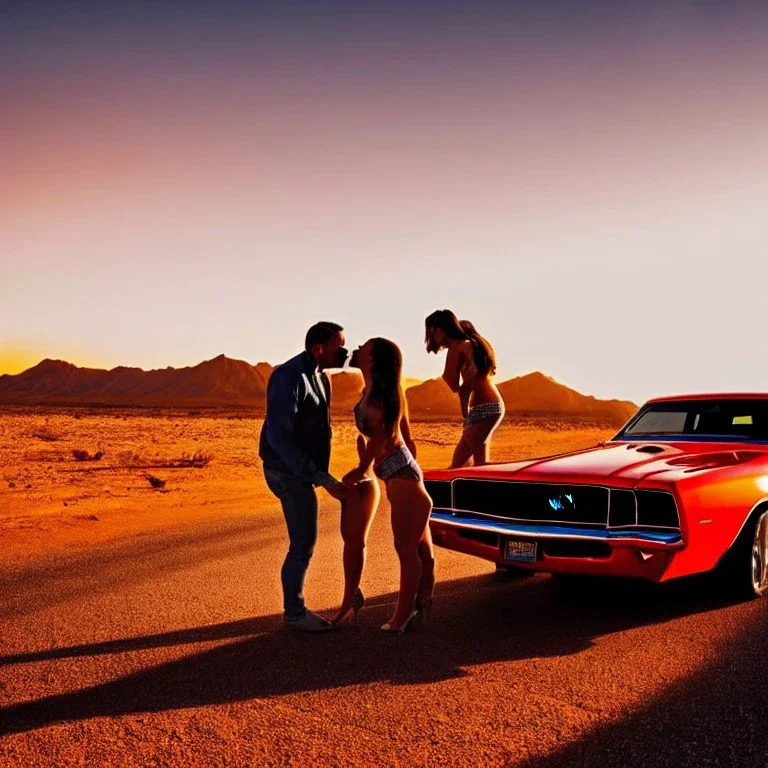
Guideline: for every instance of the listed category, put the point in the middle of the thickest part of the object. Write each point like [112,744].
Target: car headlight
[647,509]
[657,509]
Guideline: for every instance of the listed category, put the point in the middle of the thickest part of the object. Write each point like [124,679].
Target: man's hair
[320,333]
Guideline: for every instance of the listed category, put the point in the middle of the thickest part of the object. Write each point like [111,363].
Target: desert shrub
[197,459]
[47,435]
[129,458]
[81,455]
[155,482]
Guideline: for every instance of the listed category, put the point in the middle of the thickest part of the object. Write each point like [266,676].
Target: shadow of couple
[476,620]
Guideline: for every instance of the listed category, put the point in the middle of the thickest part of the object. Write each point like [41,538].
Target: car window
[738,419]
[660,423]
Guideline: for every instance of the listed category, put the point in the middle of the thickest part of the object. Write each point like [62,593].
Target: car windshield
[733,419]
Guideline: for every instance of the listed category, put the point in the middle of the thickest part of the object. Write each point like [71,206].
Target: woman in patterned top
[469,369]
[382,418]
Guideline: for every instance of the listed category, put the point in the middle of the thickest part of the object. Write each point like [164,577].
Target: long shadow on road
[717,717]
[56,580]
[476,620]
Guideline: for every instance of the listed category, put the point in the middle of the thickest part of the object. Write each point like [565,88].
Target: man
[295,448]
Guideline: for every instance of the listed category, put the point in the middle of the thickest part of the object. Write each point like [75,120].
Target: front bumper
[624,552]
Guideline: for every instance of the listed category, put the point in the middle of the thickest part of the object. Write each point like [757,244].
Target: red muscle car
[681,489]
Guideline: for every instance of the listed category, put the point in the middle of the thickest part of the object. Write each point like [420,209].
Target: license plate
[519,549]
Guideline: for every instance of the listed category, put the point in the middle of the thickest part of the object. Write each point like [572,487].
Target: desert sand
[71,478]
[164,646]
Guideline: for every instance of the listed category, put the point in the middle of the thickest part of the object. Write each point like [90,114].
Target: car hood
[620,463]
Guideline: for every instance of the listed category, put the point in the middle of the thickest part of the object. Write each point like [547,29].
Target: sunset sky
[587,182]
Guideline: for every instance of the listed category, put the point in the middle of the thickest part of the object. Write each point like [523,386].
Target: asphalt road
[169,650]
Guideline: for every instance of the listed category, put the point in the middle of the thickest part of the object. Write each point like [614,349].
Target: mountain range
[225,382]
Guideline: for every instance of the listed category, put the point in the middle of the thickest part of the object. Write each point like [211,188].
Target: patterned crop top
[360,421]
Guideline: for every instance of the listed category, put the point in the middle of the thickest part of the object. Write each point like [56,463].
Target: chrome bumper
[624,537]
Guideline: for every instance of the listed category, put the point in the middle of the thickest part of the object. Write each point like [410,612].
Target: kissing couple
[295,448]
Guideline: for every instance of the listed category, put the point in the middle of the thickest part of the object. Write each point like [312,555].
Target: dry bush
[155,482]
[47,435]
[81,455]
[197,459]
[129,459]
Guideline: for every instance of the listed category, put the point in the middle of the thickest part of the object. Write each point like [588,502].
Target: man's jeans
[299,502]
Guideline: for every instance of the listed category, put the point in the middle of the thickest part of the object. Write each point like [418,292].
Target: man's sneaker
[309,622]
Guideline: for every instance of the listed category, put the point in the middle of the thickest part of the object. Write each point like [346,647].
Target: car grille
[440,493]
[533,502]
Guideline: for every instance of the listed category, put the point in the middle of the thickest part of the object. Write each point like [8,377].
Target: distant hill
[433,397]
[346,387]
[236,383]
[538,394]
[220,381]
[534,394]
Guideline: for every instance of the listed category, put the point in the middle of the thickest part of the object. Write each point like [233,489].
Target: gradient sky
[586,181]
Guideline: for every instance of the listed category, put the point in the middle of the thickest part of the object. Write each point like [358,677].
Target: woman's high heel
[424,609]
[409,622]
[358,601]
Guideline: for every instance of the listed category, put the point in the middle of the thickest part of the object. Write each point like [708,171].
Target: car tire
[743,571]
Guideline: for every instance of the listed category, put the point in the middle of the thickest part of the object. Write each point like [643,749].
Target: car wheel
[760,556]
[744,568]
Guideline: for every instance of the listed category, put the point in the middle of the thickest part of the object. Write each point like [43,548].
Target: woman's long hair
[446,321]
[485,357]
[386,370]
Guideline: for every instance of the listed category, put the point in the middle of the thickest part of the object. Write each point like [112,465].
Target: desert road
[167,649]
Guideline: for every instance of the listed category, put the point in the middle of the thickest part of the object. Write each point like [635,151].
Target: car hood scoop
[712,460]
[648,448]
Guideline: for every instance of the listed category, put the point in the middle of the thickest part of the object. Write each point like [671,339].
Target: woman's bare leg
[356,516]
[482,453]
[427,557]
[410,514]
[461,455]
[478,438]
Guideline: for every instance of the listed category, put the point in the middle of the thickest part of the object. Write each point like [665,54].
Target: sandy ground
[152,635]
[167,649]
[51,501]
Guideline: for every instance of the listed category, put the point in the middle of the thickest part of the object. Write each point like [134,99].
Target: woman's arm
[405,426]
[452,368]
[369,453]
[367,450]
[465,390]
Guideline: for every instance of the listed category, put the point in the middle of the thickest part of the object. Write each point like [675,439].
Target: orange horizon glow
[15,360]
